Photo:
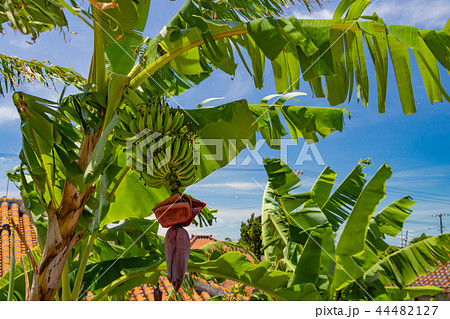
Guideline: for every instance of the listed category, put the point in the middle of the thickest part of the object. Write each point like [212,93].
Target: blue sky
[416,146]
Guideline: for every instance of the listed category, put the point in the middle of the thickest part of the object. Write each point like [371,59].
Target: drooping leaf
[33,17]
[429,69]
[224,128]
[390,220]
[405,265]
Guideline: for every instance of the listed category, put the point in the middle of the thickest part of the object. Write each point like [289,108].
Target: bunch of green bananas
[164,157]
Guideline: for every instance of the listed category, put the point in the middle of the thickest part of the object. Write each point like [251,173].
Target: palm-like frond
[15,72]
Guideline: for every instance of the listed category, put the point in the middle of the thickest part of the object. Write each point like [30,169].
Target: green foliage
[16,71]
[419,238]
[74,166]
[32,17]
[251,235]
[300,238]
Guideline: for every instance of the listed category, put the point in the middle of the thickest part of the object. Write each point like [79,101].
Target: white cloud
[7,114]
[21,44]
[425,14]
[315,14]
[238,186]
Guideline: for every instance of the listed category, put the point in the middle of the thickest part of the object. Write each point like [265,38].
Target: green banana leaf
[308,267]
[351,241]
[322,187]
[105,273]
[412,292]
[299,48]
[228,127]
[232,265]
[133,199]
[16,72]
[405,265]
[391,219]
[122,32]
[33,18]
[338,206]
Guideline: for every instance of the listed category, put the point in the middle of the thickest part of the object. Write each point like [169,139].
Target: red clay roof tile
[439,278]
[14,209]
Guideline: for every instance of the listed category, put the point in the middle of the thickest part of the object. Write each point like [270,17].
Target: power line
[404,240]
[392,190]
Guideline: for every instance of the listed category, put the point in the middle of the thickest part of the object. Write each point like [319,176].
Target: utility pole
[404,240]
[440,215]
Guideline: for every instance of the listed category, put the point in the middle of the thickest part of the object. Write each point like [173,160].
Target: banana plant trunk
[61,232]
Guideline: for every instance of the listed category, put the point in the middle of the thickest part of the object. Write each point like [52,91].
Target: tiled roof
[162,292]
[164,288]
[198,241]
[12,209]
[439,278]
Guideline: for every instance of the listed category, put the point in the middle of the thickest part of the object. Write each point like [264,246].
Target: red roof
[164,288]
[12,209]
[439,278]
[162,291]
[198,241]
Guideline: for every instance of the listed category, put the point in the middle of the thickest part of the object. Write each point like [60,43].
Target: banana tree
[73,148]
[302,235]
